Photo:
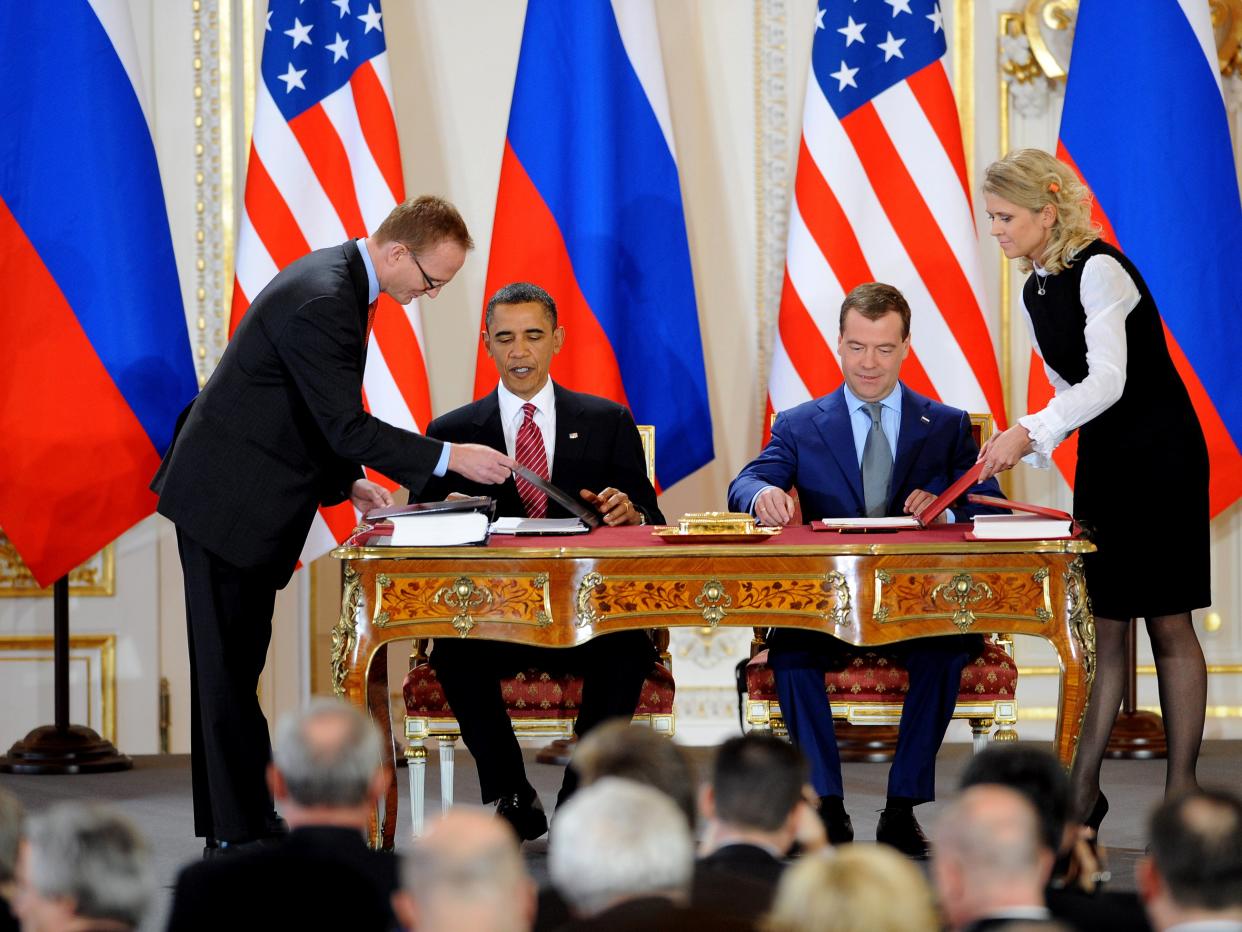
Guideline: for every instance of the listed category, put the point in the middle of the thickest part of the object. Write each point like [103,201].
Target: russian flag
[1159,160]
[589,208]
[95,359]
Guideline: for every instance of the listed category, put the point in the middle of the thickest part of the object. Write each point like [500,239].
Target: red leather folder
[950,495]
[1041,510]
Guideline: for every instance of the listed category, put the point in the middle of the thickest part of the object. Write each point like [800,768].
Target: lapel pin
[925,419]
[574,435]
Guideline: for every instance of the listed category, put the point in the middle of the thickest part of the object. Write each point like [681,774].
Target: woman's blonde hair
[1033,179]
[857,888]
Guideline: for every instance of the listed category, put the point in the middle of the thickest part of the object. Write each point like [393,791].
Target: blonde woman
[854,888]
[1142,473]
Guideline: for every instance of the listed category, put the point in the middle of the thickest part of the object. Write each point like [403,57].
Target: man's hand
[774,507]
[809,831]
[614,505]
[366,495]
[1004,450]
[919,500]
[480,463]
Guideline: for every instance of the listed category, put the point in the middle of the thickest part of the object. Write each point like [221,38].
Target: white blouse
[1108,295]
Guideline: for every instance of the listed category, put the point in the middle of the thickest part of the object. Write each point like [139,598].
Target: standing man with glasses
[279,430]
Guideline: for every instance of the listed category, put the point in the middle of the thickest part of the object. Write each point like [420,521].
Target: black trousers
[613,668]
[229,617]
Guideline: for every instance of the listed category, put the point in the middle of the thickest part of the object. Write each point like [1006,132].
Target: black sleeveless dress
[1142,480]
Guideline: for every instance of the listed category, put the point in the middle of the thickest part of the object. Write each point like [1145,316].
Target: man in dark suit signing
[278,430]
[871,448]
[588,446]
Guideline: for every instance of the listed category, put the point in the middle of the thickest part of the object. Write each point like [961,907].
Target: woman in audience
[1097,328]
[855,888]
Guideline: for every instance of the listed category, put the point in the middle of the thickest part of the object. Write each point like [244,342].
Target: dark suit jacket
[737,880]
[279,428]
[316,878]
[656,913]
[597,445]
[812,450]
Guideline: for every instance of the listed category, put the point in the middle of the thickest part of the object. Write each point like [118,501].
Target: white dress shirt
[511,417]
[1108,295]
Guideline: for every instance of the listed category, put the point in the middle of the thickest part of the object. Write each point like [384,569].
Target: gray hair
[993,832]
[93,856]
[11,816]
[617,840]
[328,753]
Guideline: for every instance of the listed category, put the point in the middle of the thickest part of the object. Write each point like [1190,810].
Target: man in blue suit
[871,448]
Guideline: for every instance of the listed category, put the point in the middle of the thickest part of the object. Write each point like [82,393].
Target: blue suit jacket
[812,450]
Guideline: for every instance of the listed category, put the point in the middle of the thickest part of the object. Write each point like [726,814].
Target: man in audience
[326,776]
[1193,877]
[622,856]
[621,749]
[588,446]
[755,811]
[11,817]
[872,448]
[466,875]
[1073,897]
[82,867]
[990,866]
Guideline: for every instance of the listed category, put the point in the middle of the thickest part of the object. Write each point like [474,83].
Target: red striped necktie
[371,318]
[532,454]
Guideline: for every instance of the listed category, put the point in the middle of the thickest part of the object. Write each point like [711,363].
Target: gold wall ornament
[964,591]
[346,628]
[94,577]
[1227,24]
[587,615]
[839,586]
[464,596]
[1081,621]
[714,601]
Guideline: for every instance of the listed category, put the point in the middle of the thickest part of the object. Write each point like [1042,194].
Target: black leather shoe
[837,824]
[899,829]
[525,813]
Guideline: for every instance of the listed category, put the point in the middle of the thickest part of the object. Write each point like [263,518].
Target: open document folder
[923,519]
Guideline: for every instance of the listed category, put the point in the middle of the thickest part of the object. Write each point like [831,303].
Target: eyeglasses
[431,283]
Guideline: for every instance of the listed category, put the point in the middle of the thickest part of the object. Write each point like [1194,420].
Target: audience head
[617,840]
[619,749]
[855,888]
[82,862]
[757,783]
[466,875]
[1035,774]
[326,765]
[11,817]
[1194,871]
[989,854]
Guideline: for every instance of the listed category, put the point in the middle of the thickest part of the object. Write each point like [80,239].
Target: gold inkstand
[716,527]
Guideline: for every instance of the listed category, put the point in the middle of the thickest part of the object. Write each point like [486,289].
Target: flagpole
[62,748]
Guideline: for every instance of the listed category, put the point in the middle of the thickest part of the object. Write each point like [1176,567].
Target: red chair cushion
[533,693]
[876,676]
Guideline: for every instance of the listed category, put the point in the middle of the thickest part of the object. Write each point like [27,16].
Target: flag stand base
[1137,734]
[53,750]
[62,748]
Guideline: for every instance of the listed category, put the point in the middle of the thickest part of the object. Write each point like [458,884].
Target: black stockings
[1182,676]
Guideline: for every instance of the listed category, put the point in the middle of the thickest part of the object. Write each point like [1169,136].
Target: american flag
[325,166]
[881,195]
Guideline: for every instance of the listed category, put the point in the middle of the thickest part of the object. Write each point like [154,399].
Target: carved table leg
[377,703]
[1077,652]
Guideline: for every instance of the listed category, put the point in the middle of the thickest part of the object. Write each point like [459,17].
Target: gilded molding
[95,577]
[345,632]
[1081,621]
[964,592]
[105,644]
[587,615]
[210,328]
[465,596]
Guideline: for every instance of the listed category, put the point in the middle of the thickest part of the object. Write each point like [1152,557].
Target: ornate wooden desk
[558,592]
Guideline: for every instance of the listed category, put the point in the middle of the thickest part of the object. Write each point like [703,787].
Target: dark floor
[156,794]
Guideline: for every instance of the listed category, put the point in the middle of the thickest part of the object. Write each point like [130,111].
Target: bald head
[989,854]
[466,874]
